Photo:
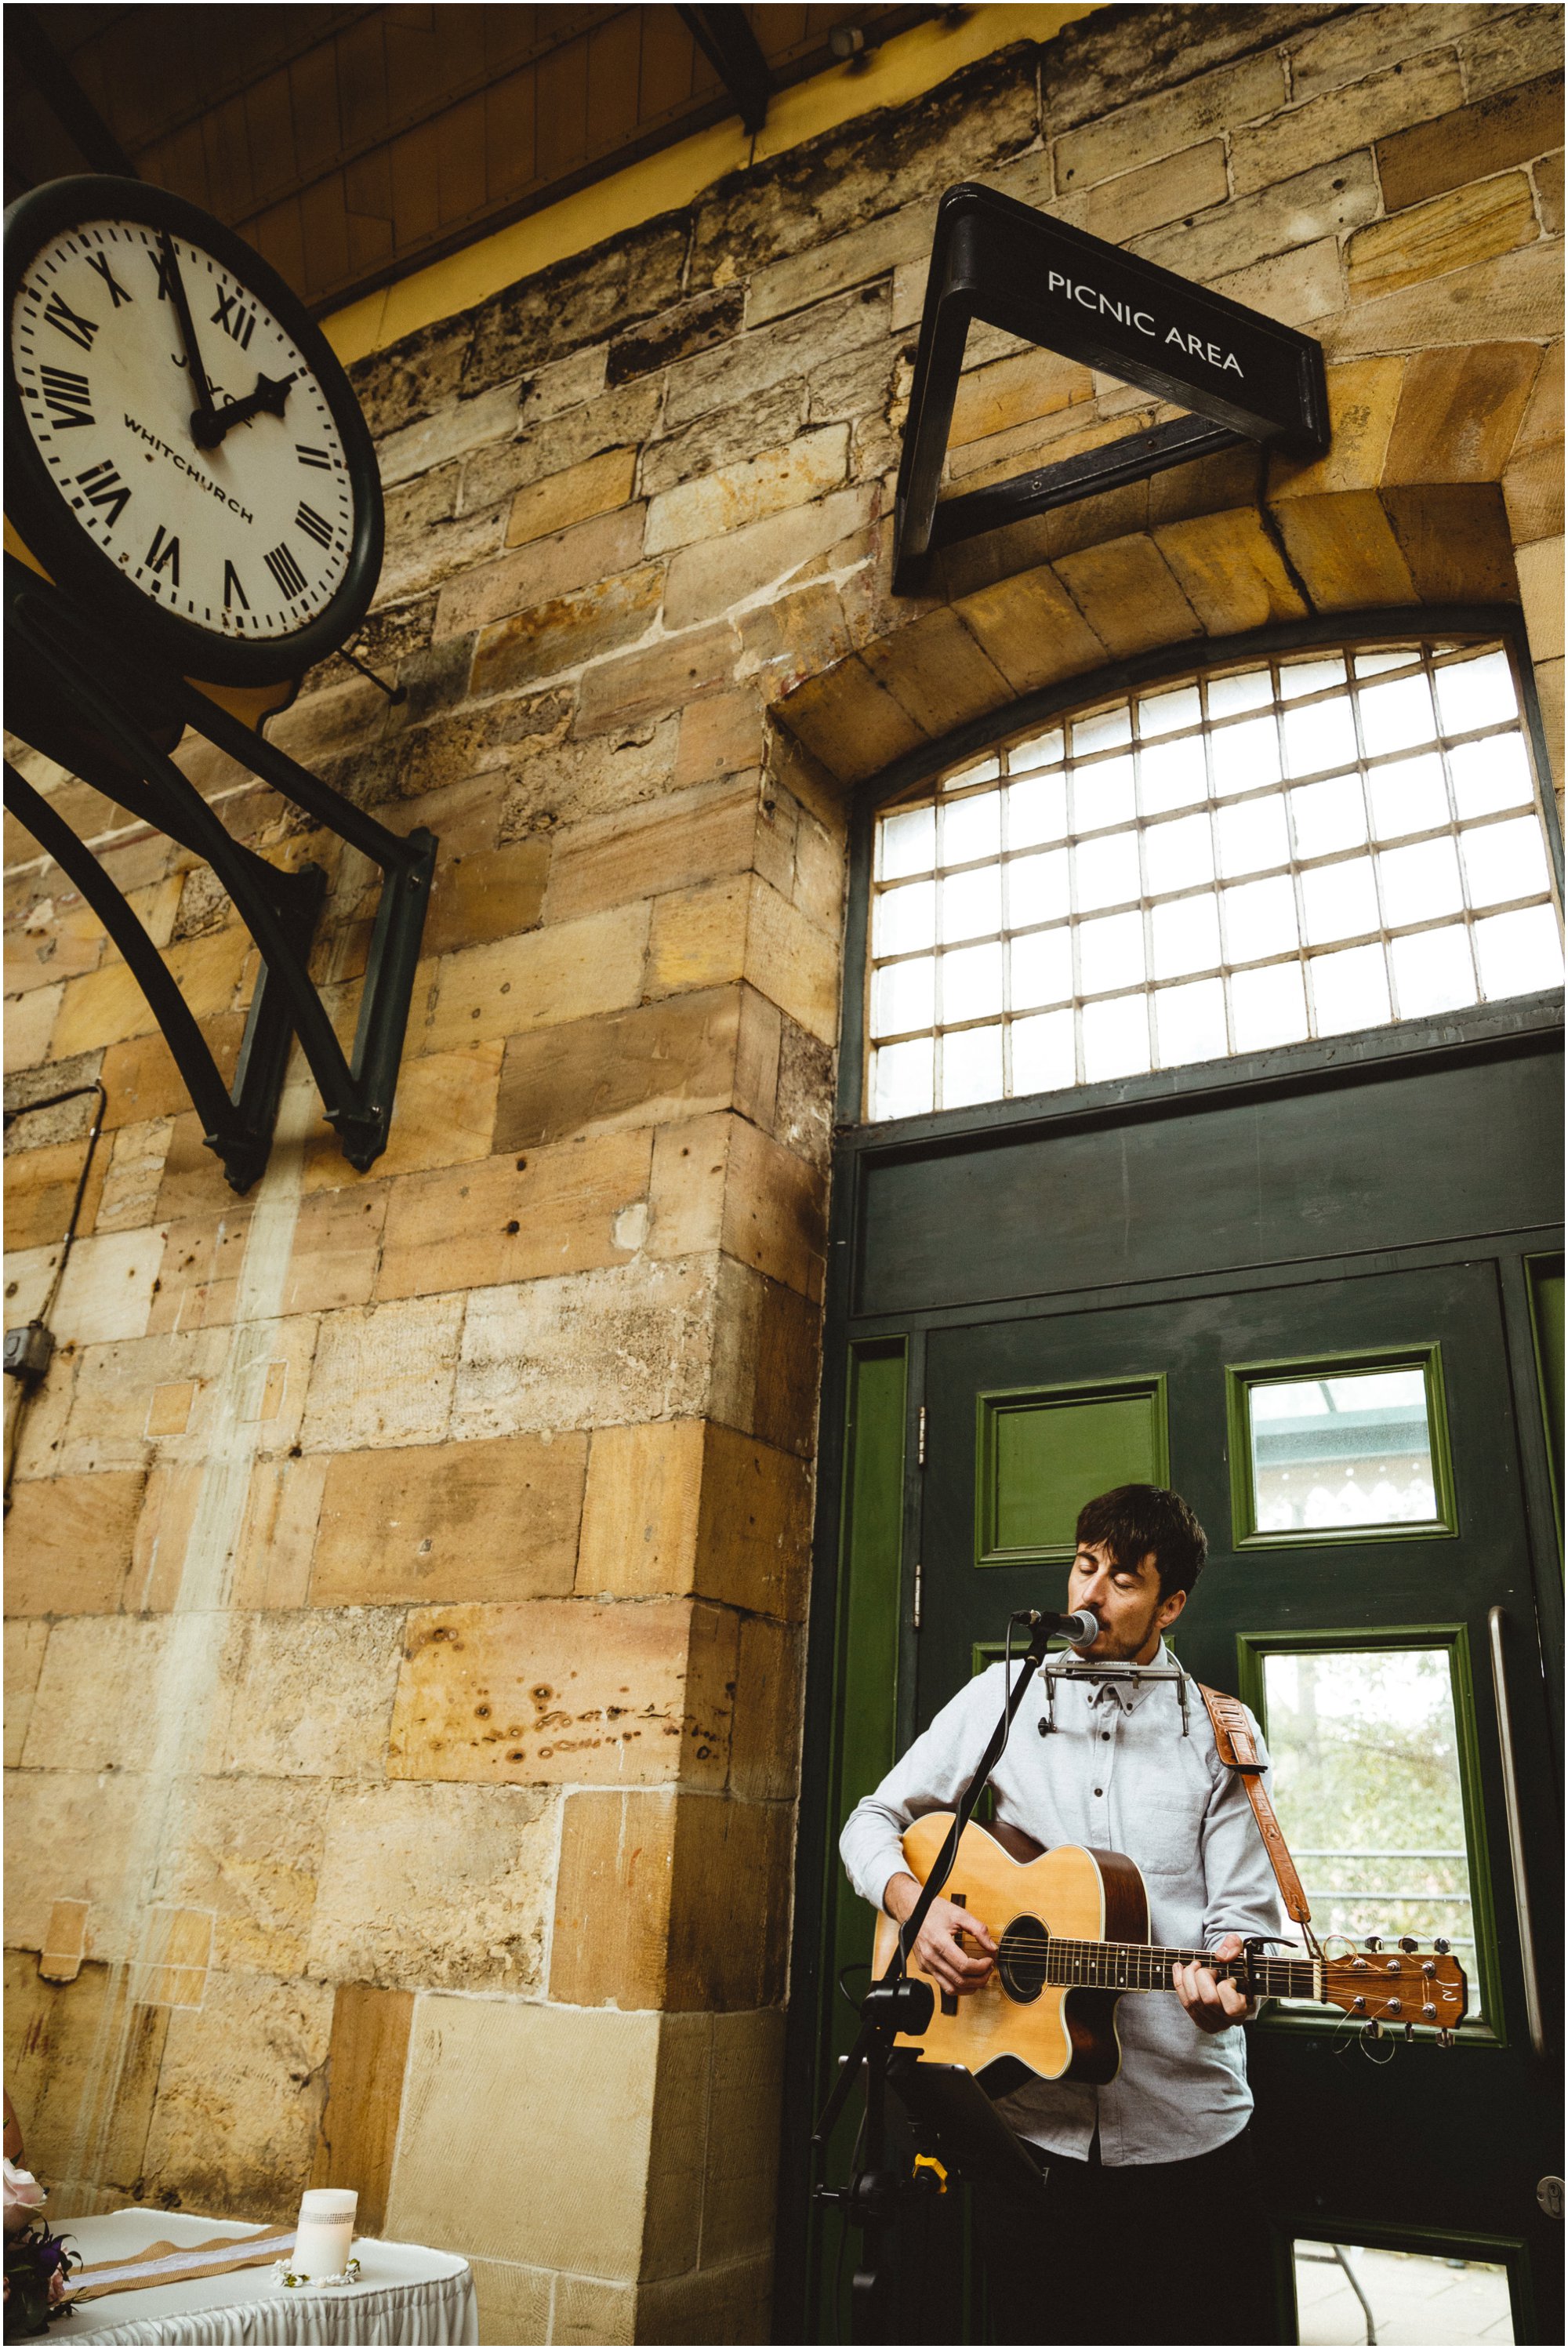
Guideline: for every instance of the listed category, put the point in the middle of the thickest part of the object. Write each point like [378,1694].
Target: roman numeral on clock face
[235,319]
[117,291]
[105,488]
[291,579]
[316,457]
[164,552]
[66,397]
[80,331]
[311,522]
[233,590]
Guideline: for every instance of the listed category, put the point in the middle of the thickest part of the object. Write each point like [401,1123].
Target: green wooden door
[1348,1440]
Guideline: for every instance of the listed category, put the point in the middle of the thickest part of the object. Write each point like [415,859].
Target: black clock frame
[37,509]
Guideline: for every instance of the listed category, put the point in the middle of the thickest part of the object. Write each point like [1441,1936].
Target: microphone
[1079,1629]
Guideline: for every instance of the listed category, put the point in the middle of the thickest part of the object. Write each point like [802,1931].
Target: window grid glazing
[1299,847]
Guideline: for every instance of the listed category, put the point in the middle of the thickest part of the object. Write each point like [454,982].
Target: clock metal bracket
[1241,376]
[79,701]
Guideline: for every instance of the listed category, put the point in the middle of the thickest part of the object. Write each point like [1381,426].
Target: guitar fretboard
[1135,1965]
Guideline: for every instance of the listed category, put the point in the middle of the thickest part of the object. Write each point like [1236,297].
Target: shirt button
[1098,1790]
[1105,1734]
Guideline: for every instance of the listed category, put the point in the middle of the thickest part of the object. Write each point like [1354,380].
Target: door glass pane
[1346,1449]
[1365,1778]
[1346,2293]
[1044,1454]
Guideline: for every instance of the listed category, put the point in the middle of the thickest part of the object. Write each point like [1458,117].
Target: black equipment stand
[958,2118]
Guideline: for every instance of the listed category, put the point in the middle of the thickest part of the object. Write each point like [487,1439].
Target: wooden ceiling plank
[362,83]
[668,57]
[416,214]
[269,122]
[323,230]
[563,120]
[460,161]
[317,120]
[510,136]
[615,64]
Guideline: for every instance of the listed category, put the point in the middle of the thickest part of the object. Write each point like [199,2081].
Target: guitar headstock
[1398,1983]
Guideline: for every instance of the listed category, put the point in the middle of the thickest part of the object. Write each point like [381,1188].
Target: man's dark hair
[1137,1518]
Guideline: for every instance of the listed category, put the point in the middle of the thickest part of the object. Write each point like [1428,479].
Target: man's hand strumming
[940,1950]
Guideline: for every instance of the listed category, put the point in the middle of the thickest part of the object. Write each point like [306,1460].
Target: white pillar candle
[326,2234]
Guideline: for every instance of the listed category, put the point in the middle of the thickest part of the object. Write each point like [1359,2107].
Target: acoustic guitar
[1071,1928]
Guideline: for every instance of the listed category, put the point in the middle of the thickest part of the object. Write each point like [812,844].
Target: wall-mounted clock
[184,455]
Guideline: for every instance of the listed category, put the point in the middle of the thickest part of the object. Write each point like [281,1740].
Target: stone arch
[1440,487]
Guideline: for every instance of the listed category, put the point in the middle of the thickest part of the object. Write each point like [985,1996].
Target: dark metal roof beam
[28,45]
[726,40]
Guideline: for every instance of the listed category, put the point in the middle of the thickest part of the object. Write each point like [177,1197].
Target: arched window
[1299,846]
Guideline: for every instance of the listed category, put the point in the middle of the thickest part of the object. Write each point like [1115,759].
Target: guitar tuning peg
[1409,1943]
[1445,2039]
[1409,2033]
[1441,1948]
[1373,2030]
[1373,1942]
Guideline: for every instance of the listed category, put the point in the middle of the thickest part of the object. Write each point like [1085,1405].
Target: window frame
[1486,623]
[1252,1647]
[1241,1377]
[993,1402]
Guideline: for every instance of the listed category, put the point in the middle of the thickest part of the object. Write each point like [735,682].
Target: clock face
[248,540]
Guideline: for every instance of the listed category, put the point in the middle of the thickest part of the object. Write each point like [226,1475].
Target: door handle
[1494,1623]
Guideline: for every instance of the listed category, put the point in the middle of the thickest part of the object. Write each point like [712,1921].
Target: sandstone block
[309,1692]
[1503,48]
[92,1710]
[488,894]
[571,2192]
[1016,390]
[162,1537]
[566,383]
[719,738]
[142,1081]
[198,1273]
[639,852]
[694,326]
[622,419]
[26,1637]
[1168,190]
[1541,594]
[1230,571]
[63,2091]
[935,670]
[765,1750]
[740,2172]
[642,1510]
[552,636]
[1452,231]
[1344,119]
[730,1904]
[1296,288]
[1128,594]
[367,2055]
[629,1343]
[434,1888]
[1547,177]
[1345,551]
[542,573]
[445,1114]
[470,1521]
[564,1209]
[1460,412]
[598,486]
[40,1190]
[382,1375]
[672,2224]
[1172,121]
[1507,129]
[110,1399]
[516,2305]
[687,1187]
[424,554]
[553,1691]
[29,1021]
[698,936]
[1030,629]
[68,1540]
[1363,401]
[774,1209]
[704,580]
[245,1855]
[767,355]
[1533,489]
[277,1535]
[1454,537]
[793,962]
[766,1352]
[754,1532]
[240,2093]
[847,722]
[134,1174]
[1549,683]
[1515,298]
[70,1836]
[336,1249]
[708,2301]
[1280,218]
[564,971]
[664,678]
[456,428]
[672,1059]
[748,490]
[107,1291]
[802,278]
[56,943]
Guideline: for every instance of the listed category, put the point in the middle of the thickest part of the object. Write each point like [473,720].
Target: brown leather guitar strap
[1234,1741]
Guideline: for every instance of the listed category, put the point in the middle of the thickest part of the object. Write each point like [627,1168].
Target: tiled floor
[1417,2303]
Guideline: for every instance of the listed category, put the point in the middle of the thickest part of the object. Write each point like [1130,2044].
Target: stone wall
[407,1571]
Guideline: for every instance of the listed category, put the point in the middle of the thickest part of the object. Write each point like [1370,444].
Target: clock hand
[268,398]
[202,421]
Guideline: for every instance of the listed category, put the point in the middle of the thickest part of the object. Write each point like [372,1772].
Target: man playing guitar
[1152,2231]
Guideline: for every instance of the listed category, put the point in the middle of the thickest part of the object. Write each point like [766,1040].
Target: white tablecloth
[405,2293]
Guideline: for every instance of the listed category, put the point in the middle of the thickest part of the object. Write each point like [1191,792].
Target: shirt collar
[1128,1694]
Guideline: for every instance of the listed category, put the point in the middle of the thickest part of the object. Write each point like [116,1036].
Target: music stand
[954,2118]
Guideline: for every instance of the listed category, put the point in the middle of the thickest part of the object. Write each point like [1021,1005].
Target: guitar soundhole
[1021,1960]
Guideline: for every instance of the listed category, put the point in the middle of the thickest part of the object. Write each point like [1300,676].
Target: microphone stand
[876,2194]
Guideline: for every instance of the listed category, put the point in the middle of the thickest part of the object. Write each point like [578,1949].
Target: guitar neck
[1136,1965]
